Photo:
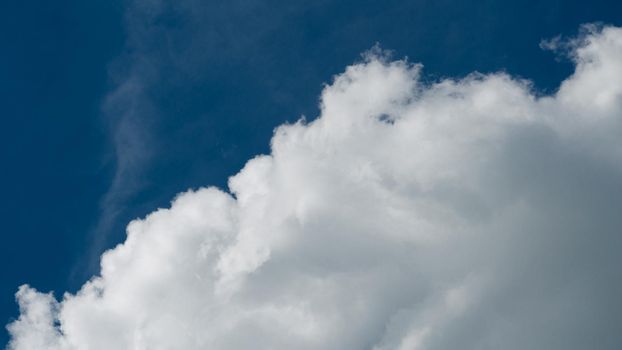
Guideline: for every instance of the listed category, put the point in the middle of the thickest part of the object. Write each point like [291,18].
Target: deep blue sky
[111,107]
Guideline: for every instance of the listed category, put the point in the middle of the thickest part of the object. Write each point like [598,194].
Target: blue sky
[111,108]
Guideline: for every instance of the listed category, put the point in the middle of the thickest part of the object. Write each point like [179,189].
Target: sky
[468,226]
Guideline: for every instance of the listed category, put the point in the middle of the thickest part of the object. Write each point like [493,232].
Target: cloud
[467,214]
[169,50]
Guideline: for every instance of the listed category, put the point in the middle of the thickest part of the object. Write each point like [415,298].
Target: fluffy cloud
[468,214]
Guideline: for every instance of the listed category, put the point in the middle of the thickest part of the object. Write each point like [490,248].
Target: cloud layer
[468,214]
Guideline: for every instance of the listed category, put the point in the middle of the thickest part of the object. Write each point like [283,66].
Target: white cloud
[465,214]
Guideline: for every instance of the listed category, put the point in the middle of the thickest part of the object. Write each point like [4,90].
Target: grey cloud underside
[466,214]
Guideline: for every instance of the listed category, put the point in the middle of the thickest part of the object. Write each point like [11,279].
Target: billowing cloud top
[464,214]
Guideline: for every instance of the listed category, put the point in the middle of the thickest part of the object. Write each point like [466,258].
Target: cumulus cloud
[463,214]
